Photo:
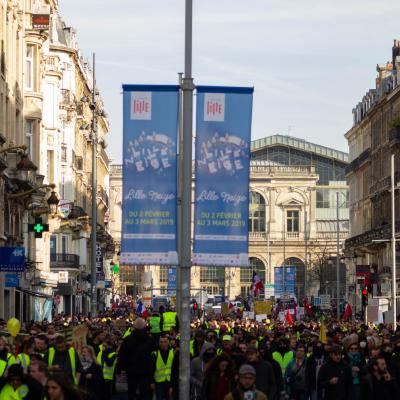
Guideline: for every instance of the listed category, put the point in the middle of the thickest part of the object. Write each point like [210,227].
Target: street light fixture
[53,201]
[26,169]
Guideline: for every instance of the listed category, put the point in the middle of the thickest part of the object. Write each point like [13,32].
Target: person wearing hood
[134,358]
[283,355]
[334,378]
[314,363]
[198,366]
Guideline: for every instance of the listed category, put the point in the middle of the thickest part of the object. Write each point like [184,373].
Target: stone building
[44,121]
[372,139]
[293,220]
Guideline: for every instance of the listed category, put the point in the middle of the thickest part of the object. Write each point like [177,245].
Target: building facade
[372,139]
[293,221]
[46,119]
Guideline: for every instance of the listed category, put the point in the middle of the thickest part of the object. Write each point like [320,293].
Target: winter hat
[247,369]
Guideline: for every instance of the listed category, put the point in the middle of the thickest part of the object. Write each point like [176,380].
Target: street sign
[108,284]
[171,288]
[12,259]
[11,280]
[325,301]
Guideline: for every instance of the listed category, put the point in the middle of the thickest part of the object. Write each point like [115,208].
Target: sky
[310,61]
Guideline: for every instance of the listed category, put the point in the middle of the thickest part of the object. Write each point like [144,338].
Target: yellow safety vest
[191,347]
[283,361]
[24,360]
[108,370]
[10,359]
[3,366]
[8,392]
[155,324]
[71,352]
[127,332]
[163,371]
[169,320]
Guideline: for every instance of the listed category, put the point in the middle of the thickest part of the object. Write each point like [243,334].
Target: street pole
[337,257]
[394,289]
[305,251]
[186,208]
[93,281]
[179,204]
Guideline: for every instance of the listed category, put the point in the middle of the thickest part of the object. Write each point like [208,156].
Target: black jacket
[343,388]
[311,371]
[265,378]
[93,388]
[374,389]
[134,356]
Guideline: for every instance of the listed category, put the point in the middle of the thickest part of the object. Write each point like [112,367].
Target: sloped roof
[299,144]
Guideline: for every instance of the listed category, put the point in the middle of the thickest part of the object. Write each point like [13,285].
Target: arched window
[300,275]
[246,275]
[256,213]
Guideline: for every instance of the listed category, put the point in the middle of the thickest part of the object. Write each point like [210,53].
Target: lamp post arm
[8,149]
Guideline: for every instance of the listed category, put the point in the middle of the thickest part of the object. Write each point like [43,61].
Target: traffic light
[38,227]
[364,296]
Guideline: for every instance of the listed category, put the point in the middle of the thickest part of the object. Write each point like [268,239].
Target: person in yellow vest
[5,353]
[107,359]
[169,320]
[16,386]
[283,355]
[3,367]
[61,358]
[196,343]
[162,360]
[155,325]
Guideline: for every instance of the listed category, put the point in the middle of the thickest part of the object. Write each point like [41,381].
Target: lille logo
[141,105]
[214,107]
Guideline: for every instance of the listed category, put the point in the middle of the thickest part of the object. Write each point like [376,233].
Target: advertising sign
[40,21]
[149,206]
[99,262]
[171,288]
[223,134]
[285,282]
[11,280]
[12,259]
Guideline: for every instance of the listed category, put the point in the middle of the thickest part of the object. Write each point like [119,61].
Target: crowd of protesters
[132,356]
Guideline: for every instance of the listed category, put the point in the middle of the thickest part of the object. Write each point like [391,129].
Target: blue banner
[171,288]
[285,281]
[278,281]
[290,279]
[149,207]
[223,134]
[12,259]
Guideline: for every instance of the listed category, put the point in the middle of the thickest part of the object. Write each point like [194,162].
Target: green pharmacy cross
[38,227]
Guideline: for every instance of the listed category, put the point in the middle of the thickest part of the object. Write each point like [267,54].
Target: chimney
[395,51]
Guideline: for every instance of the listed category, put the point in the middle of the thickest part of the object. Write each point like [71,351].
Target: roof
[299,144]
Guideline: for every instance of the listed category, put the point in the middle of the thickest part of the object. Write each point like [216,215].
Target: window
[29,142]
[212,274]
[256,213]
[29,67]
[164,274]
[246,275]
[322,198]
[50,166]
[53,244]
[292,221]
[62,183]
[64,154]
[64,245]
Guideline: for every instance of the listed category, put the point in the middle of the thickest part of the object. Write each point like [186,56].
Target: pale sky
[309,61]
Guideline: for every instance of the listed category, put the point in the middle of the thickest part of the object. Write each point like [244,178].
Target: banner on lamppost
[223,134]
[284,280]
[149,206]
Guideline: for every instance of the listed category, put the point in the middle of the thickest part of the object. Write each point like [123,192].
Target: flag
[322,333]
[139,307]
[257,284]
[348,312]
[289,319]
